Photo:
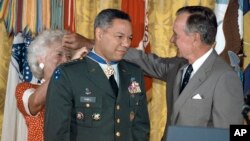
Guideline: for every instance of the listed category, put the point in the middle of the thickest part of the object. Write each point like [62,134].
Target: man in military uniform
[100,97]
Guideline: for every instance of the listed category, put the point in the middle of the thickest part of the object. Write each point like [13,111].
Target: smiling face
[182,40]
[113,42]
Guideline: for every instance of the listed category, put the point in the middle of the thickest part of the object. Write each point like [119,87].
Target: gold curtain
[246,37]
[86,10]
[5,53]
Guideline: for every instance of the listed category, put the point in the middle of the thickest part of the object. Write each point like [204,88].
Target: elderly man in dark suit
[202,89]
[99,97]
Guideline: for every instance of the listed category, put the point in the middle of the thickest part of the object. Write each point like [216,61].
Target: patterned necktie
[109,71]
[186,77]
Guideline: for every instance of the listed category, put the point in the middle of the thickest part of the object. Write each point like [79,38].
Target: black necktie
[113,84]
[186,77]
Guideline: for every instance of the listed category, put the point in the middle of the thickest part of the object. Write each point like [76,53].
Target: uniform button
[87,105]
[80,115]
[117,107]
[118,120]
[131,116]
[118,134]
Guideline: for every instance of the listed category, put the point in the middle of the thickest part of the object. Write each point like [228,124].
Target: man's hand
[76,41]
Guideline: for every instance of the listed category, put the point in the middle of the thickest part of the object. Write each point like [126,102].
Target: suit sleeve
[228,101]
[58,108]
[152,64]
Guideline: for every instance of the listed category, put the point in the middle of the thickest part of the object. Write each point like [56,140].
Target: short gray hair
[201,20]
[39,47]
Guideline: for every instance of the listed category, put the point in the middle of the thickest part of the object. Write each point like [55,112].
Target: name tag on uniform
[87,99]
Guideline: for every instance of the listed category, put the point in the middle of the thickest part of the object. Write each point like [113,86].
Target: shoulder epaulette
[72,62]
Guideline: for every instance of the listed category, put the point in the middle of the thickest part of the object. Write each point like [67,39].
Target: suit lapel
[97,76]
[194,83]
[176,93]
[177,85]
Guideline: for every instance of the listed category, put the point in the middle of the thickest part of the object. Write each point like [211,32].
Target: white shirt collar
[197,64]
[115,66]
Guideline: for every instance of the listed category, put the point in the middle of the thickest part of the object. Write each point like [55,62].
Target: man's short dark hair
[105,18]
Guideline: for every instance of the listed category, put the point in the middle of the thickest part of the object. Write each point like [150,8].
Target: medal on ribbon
[109,71]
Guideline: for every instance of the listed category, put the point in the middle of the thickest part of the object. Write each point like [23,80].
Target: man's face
[113,42]
[182,40]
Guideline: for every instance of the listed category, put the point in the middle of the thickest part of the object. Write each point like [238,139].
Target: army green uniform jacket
[81,105]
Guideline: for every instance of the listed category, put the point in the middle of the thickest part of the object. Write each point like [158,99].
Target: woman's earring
[41,65]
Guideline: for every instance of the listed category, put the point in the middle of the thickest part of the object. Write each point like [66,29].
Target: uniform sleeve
[141,126]
[58,108]
[152,64]
[228,101]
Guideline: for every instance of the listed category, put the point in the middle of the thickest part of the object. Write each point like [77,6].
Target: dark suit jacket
[81,105]
[217,84]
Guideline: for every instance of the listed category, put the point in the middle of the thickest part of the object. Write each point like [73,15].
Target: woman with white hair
[45,53]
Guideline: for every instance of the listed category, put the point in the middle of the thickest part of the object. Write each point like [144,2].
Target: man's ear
[197,38]
[98,33]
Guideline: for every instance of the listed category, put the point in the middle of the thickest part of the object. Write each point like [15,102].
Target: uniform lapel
[194,83]
[125,76]
[97,76]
